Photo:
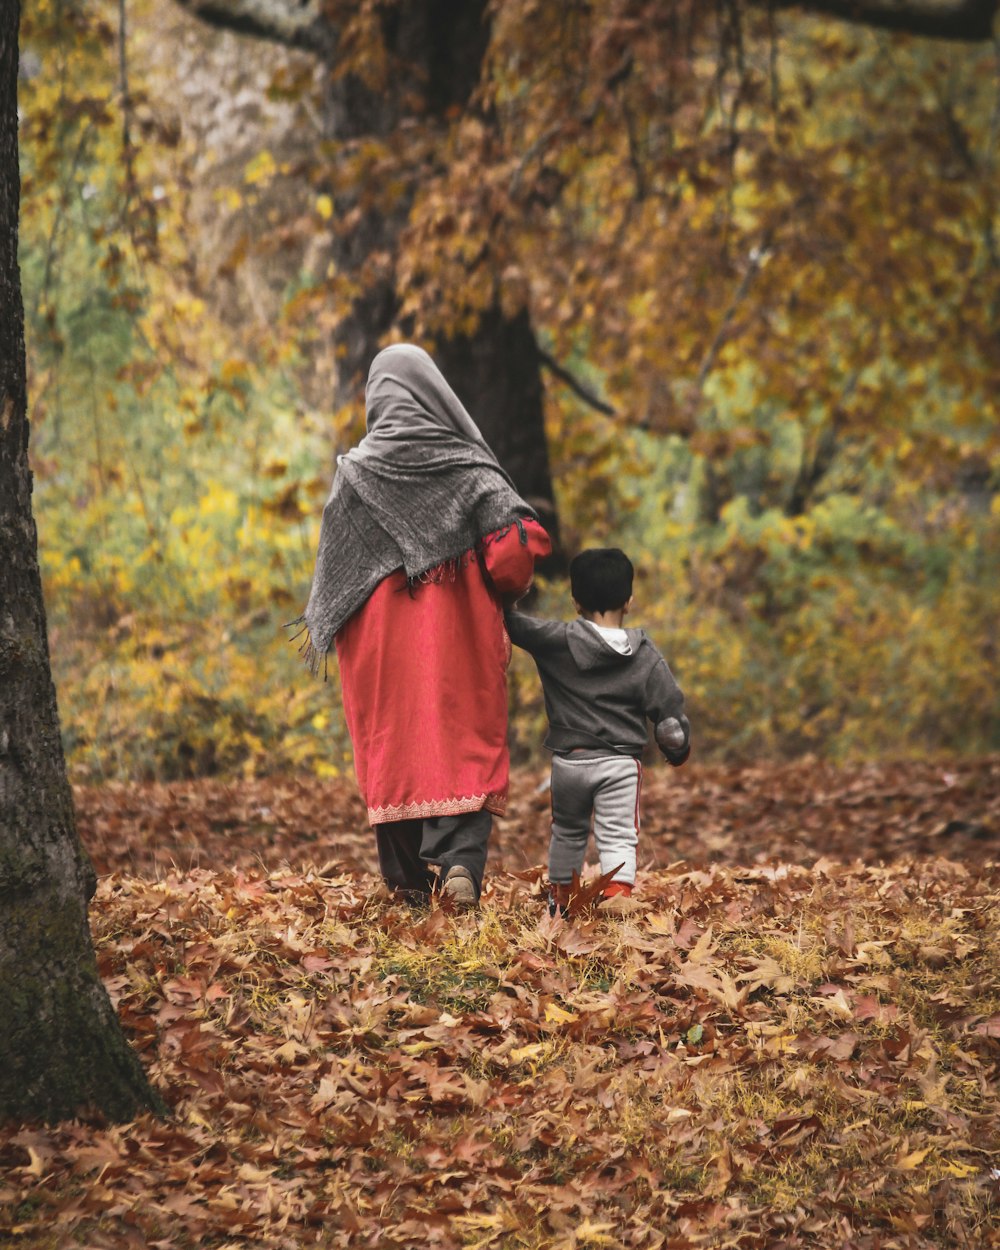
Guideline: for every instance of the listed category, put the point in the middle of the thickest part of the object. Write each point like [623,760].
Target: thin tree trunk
[62,1052]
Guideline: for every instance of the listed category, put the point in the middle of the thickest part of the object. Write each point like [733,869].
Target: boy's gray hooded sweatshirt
[597,699]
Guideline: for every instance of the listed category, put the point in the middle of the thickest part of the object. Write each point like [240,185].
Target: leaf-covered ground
[793,812]
[789,1038]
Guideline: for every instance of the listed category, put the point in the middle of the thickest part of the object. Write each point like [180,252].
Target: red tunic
[424,681]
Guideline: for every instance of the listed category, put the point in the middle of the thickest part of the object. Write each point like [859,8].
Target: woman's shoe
[460,887]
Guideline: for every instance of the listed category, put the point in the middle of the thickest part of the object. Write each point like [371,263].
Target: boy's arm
[665,708]
[534,635]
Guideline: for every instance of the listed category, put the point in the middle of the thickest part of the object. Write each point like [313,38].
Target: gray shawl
[418,493]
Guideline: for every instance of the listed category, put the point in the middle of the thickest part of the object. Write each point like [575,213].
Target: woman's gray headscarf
[420,490]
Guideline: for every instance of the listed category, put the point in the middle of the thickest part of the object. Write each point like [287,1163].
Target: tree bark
[63,1052]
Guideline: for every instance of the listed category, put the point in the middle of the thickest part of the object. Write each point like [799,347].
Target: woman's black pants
[406,848]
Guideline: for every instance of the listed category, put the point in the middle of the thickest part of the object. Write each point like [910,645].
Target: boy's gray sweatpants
[604,792]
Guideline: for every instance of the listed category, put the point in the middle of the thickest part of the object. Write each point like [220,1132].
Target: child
[601,682]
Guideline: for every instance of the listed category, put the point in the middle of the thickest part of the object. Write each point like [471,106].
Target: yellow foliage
[260,170]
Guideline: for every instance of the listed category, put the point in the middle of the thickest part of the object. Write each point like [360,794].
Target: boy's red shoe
[618,889]
[559,899]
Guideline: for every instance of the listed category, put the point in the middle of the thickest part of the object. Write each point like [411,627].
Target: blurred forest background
[753,257]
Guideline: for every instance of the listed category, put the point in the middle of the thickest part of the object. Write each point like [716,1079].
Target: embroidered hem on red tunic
[496,803]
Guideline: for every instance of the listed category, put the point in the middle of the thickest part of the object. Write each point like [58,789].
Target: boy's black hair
[601,579]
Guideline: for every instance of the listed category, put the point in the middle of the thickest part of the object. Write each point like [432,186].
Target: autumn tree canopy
[671,201]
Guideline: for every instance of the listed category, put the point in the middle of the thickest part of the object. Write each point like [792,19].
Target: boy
[601,682]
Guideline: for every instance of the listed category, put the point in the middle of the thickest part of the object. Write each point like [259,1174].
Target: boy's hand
[510,599]
[673,739]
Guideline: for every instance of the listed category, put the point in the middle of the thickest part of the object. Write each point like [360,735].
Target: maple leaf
[585,896]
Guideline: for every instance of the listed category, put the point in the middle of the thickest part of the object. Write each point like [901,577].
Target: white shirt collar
[616,638]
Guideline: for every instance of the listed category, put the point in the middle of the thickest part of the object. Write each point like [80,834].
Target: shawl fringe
[443,571]
[448,570]
[312,657]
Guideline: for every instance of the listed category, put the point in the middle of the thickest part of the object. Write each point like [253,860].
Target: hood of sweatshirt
[590,651]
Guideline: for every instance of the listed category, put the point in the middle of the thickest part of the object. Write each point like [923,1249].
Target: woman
[422,536]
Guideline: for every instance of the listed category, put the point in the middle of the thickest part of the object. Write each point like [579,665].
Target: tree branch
[758,255]
[294,23]
[574,385]
[811,473]
[963,20]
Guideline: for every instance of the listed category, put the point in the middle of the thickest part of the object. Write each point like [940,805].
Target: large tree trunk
[437,48]
[495,373]
[495,370]
[63,1052]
